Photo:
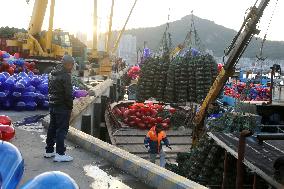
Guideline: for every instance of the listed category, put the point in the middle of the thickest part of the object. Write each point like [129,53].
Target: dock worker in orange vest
[154,139]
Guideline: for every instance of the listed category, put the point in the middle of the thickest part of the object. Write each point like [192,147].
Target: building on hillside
[127,49]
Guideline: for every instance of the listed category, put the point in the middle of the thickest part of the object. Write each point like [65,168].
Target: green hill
[214,37]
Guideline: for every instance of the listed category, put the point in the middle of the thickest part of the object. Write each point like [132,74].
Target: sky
[76,15]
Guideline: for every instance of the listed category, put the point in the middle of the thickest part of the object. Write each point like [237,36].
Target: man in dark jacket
[153,140]
[61,105]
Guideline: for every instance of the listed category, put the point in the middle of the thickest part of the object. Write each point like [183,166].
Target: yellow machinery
[51,44]
[104,61]
[234,52]
[42,47]
[176,50]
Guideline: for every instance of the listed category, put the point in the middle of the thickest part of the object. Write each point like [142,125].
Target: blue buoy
[11,165]
[31,106]
[51,180]
[3,77]
[20,106]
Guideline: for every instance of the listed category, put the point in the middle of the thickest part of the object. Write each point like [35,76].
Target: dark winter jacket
[60,88]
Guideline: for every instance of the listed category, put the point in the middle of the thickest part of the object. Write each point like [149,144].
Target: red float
[5,120]
[7,132]
[144,115]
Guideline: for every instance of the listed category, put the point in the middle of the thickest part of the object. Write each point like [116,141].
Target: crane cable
[165,44]
[233,42]
[195,41]
[260,57]
[266,32]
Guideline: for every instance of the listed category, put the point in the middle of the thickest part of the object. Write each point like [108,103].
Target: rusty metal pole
[254,181]
[271,85]
[225,170]
[241,154]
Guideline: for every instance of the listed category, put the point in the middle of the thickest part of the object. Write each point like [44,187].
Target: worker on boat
[61,105]
[154,140]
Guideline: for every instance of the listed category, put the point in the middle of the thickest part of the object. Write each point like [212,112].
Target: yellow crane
[105,65]
[51,44]
[46,46]
[235,51]
[42,47]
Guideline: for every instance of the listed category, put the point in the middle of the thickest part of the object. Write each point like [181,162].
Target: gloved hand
[169,147]
[146,145]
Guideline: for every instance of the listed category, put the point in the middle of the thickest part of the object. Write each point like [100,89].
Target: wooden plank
[168,156]
[140,148]
[140,140]
[229,143]
[277,144]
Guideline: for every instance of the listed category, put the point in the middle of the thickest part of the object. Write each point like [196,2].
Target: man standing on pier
[153,140]
[61,105]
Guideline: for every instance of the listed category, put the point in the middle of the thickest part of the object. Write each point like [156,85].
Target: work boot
[62,158]
[49,155]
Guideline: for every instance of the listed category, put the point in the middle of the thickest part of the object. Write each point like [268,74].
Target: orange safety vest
[152,134]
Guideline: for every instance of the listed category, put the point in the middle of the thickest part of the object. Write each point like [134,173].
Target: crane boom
[108,41]
[236,49]
[37,18]
[95,25]
[50,27]
[123,29]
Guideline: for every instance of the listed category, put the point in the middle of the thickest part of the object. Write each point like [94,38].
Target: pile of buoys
[133,72]
[23,91]
[20,86]
[15,64]
[27,91]
[247,92]
[144,115]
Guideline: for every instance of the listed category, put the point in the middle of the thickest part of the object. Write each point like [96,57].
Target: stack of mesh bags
[160,82]
[191,89]
[145,88]
[181,76]
[205,74]
[169,95]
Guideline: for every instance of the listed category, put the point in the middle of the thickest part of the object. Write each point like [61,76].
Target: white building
[127,48]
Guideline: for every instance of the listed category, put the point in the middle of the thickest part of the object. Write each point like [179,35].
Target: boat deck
[258,158]
[132,140]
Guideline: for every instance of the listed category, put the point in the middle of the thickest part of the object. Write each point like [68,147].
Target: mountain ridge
[215,37]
